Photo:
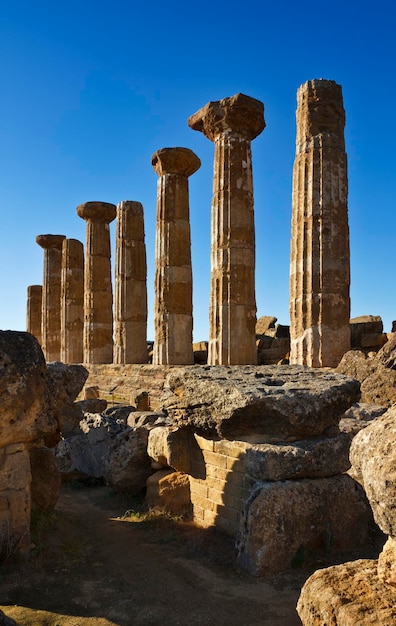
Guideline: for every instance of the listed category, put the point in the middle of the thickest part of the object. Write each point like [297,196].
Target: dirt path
[91,568]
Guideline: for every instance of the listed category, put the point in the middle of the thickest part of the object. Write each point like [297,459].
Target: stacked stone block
[173,272]
[51,303]
[266,441]
[319,261]
[72,301]
[130,301]
[218,497]
[367,333]
[34,310]
[98,291]
[272,341]
[232,123]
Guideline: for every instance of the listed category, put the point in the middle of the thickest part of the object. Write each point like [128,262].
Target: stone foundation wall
[121,383]
[219,484]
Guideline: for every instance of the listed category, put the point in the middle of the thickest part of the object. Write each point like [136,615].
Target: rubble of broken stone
[286,417]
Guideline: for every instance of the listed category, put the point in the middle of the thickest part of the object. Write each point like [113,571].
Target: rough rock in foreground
[347,595]
[34,401]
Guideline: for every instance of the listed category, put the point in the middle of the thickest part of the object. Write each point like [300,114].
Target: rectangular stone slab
[263,403]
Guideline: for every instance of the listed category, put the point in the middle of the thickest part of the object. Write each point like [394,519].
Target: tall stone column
[130,298]
[50,316]
[320,261]
[33,313]
[98,291]
[173,274]
[231,124]
[72,301]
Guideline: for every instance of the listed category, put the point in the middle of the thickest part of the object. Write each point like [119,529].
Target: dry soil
[96,565]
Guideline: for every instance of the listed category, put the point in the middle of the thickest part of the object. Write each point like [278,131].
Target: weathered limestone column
[173,274]
[320,262]
[33,312]
[130,299]
[98,291]
[72,301]
[50,316]
[231,124]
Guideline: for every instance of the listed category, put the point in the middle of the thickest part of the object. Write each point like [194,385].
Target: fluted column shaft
[320,257]
[50,316]
[231,124]
[34,312]
[72,301]
[173,275]
[98,291]
[130,298]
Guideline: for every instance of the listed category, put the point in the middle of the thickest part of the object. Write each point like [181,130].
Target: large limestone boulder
[347,595]
[272,403]
[387,354]
[84,455]
[264,323]
[128,465]
[25,407]
[377,381]
[65,383]
[373,457]
[170,446]
[359,416]
[367,332]
[387,562]
[169,491]
[310,458]
[285,523]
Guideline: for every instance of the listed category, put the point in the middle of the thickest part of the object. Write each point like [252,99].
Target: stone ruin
[319,261]
[233,444]
[236,447]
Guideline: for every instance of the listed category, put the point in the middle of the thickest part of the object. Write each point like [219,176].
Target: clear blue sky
[90,89]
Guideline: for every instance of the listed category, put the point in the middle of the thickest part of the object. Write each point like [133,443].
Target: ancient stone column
[173,274]
[98,291]
[33,313]
[231,124]
[130,298]
[72,301]
[50,316]
[320,263]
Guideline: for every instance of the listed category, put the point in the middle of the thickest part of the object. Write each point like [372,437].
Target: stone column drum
[231,124]
[72,301]
[320,260]
[98,291]
[33,312]
[173,274]
[130,298]
[50,315]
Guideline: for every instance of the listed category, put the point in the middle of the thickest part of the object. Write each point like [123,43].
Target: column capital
[182,161]
[239,114]
[50,241]
[97,211]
